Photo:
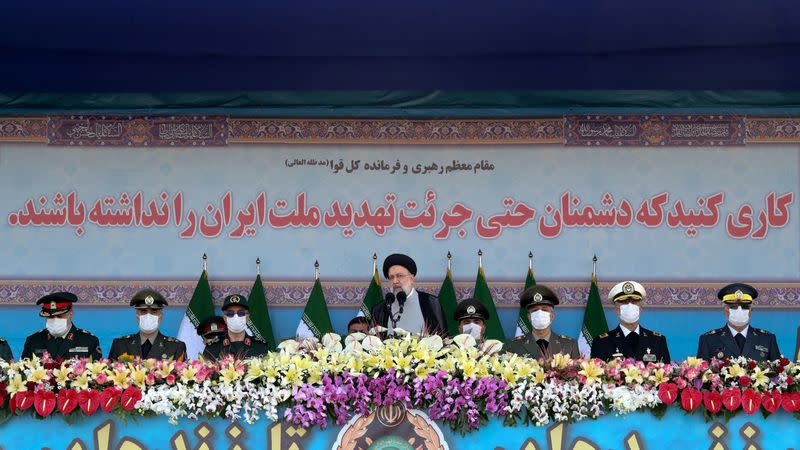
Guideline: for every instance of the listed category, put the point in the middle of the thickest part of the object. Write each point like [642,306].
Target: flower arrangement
[459,382]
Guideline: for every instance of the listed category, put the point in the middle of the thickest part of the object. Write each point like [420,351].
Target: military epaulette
[710,332]
[2,341]
[519,338]
[563,337]
[604,335]
[81,330]
[656,334]
[170,339]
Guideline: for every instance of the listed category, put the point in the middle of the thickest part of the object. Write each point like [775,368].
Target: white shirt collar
[626,331]
[734,332]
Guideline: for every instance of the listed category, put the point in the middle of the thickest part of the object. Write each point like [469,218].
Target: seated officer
[358,324]
[60,338]
[148,343]
[237,343]
[212,329]
[542,342]
[628,339]
[471,316]
[737,337]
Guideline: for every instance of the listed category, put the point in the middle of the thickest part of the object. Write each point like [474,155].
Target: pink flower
[101,378]
[171,379]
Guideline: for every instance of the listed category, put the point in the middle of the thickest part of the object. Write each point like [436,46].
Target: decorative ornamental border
[571,130]
[349,294]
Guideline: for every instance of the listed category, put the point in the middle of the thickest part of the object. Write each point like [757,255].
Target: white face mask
[56,326]
[473,329]
[540,319]
[739,317]
[236,324]
[629,313]
[148,323]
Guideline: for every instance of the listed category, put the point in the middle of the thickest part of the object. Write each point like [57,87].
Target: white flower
[491,346]
[432,342]
[372,344]
[289,346]
[464,341]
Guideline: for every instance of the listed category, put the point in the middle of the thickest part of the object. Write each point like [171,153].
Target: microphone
[389,298]
[401,299]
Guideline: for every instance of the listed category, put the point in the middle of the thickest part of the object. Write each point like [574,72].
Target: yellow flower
[658,376]
[139,377]
[62,375]
[759,377]
[591,371]
[120,378]
[81,382]
[402,362]
[291,377]
[538,376]
[561,361]
[524,370]
[38,375]
[254,372]
[229,374]
[166,369]
[95,368]
[735,371]
[632,375]
[509,375]
[315,374]
[693,362]
[16,385]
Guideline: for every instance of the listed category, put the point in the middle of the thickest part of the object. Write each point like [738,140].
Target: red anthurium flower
[23,400]
[109,398]
[791,401]
[691,398]
[751,401]
[668,393]
[44,402]
[67,401]
[89,401]
[129,397]
[731,398]
[713,401]
[771,401]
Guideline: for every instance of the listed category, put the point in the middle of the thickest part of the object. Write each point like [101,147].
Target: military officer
[212,329]
[629,339]
[358,324]
[237,343]
[471,316]
[540,301]
[5,350]
[148,343]
[737,337]
[61,338]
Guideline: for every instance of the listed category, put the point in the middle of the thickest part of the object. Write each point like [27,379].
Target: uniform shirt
[250,347]
[164,347]
[759,345]
[651,347]
[557,343]
[77,343]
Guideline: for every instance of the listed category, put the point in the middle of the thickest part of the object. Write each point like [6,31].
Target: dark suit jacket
[652,346]
[5,350]
[77,343]
[431,312]
[759,345]
[164,347]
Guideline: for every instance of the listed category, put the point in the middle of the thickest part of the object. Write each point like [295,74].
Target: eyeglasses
[398,276]
[739,305]
[240,313]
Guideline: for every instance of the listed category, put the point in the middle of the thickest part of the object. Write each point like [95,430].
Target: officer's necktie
[633,340]
[146,346]
[740,341]
[543,345]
